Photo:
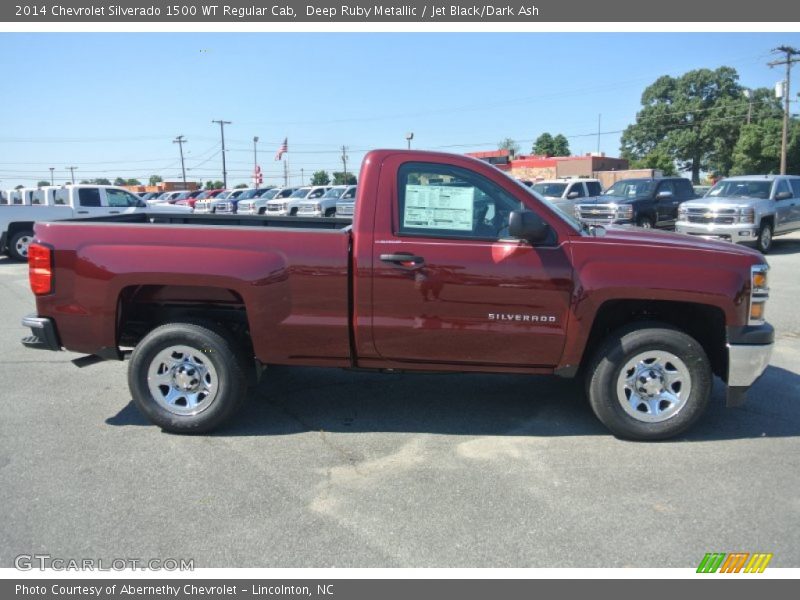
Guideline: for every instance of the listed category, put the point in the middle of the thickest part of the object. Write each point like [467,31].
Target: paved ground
[328,468]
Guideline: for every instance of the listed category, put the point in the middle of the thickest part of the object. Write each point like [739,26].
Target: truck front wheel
[649,381]
[187,377]
[18,245]
[764,240]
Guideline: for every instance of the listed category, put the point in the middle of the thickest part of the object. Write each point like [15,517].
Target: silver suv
[564,193]
[750,209]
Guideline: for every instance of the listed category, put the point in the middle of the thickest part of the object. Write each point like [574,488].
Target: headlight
[624,212]
[759,293]
[747,215]
[683,212]
[285,206]
[577,212]
[317,207]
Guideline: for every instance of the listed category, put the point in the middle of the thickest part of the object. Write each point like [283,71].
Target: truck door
[88,202]
[795,218]
[450,287]
[666,208]
[121,202]
[783,206]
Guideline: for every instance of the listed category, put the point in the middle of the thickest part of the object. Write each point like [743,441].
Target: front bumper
[277,213]
[606,222]
[736,233]
[749,351]
[310,213]
[44,335]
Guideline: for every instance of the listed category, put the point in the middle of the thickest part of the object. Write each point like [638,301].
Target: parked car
[258,206]
[345,206]
[565,193]
[701,190]
[283,207]
[750,209]
[204,203]
[449,265]
[166,197]
[66,202]
[188,198]
[325,205]
[643,202]
[226,204]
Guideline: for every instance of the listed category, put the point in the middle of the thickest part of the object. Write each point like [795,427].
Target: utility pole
[344,163]
[222,134]
[302,176]
[52,180]
[72,171]
[180,140]
[255,161]
[791,58]
[749,95]
[285,174]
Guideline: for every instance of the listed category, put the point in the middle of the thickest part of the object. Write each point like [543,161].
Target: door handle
[113,212]
[404,259]
[83,212]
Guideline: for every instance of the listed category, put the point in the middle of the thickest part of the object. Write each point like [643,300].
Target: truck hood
[604,200]
[668,239]
[721,202]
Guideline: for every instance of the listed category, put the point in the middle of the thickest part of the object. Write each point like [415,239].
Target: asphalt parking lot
[326,468]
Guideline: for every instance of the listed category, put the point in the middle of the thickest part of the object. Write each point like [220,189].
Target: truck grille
[344,210]
[273,207]
[725,216]
[597,212]
[308,208]
[224,207]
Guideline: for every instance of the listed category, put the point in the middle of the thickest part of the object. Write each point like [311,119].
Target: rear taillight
[40,269]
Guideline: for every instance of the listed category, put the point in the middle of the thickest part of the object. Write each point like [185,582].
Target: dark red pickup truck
[449,265]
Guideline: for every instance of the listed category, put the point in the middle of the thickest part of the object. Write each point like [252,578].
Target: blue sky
[112,103]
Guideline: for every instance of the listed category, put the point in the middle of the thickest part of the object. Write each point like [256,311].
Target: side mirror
[572,195]
[664,195]
[528,226]
[783,195]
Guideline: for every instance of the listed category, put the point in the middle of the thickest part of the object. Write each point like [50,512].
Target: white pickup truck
[56,203]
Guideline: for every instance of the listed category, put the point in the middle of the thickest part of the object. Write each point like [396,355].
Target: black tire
[764,239]
[606,383]
[645,222]
[18,245]
[215,351]
[293,212]
[331,212]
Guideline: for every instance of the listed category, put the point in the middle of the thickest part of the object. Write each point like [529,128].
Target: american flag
[283,149]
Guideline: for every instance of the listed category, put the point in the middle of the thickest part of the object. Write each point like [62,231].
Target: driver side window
[443,201]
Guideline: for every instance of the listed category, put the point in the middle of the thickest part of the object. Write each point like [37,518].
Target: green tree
[133,181]
[510,145]
[339,178]
[758,149]
[544,145]
[214,185]
[19,187]
[694,119]
[98,181]
[657,159]
[120,181]
[155,179]
[42,183]
[240,186]
[560,146]
[320,178]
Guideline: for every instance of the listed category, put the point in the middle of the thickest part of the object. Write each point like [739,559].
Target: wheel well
[768,219]
[14,228]
[704,323]
[140,309]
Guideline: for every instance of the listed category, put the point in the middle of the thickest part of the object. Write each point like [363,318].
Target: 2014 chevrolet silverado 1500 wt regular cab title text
[449,265]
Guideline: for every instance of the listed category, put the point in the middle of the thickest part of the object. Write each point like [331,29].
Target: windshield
[741,189]
[301,193]
[631,188]
[248,194]
[550,189]
[182,195]
[334,193]
[270,194]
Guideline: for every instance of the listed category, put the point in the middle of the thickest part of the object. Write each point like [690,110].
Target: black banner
[381,11]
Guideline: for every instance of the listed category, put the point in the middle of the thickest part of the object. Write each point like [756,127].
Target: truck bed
[224,220]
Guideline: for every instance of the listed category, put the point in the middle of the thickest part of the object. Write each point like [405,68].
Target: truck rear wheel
[649,381]
[18,245]
[187,377]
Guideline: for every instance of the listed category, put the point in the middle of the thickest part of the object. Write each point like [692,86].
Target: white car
[67,202]
[288,207]
[326,205]
[565,192]
[258,206]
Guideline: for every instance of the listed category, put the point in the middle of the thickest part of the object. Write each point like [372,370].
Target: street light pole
[180,140]
[409,137]
[222,134]
[255,160]
[52,180]
[72,171]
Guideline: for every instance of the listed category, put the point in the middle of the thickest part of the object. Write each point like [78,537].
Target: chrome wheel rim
[646,224]
[653,386]
[182,380]
[766,237]
[22,245]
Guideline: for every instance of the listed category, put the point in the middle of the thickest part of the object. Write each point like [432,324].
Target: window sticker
[438,207]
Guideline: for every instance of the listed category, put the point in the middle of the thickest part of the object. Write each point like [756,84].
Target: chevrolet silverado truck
[751,209]
[65,202]
[449,265]
[644,202]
